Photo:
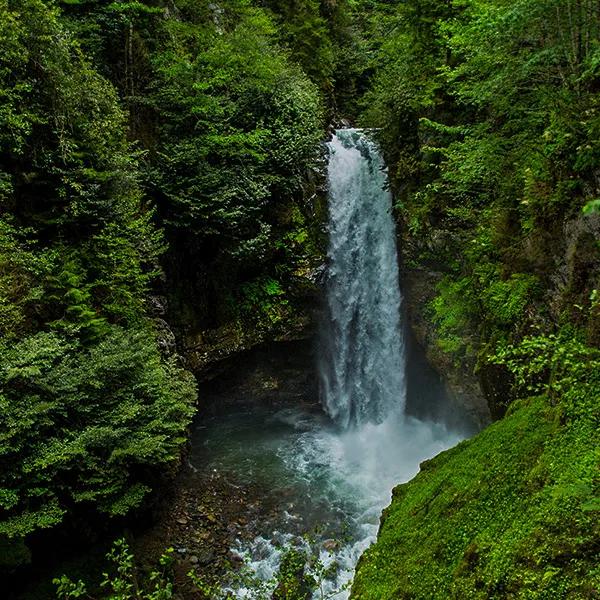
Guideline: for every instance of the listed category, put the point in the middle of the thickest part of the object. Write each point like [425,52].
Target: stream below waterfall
[316,479]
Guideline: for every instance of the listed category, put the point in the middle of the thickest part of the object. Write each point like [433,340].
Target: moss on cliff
[509,514]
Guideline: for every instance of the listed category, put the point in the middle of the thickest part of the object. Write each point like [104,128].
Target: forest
[163,210]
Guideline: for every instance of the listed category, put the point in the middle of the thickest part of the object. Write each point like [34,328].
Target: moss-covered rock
[511,513]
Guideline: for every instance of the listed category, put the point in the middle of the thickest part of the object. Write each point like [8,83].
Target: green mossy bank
[157,164]
[508,514]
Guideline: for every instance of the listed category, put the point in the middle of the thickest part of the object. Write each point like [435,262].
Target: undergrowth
[512,513]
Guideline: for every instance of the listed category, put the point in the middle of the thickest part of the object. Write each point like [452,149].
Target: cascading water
[362,364]
[334,480]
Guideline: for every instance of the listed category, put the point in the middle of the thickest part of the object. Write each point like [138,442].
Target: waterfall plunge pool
[314,478]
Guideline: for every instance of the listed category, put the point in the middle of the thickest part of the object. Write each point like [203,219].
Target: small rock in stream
[206,557]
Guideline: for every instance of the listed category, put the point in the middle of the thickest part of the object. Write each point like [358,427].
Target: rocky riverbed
[202,518]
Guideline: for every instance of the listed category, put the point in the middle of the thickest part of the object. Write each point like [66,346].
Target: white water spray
[362,364]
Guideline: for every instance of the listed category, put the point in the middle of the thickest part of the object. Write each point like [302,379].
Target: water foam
[346,478]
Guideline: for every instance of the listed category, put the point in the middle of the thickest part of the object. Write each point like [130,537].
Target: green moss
[509,514]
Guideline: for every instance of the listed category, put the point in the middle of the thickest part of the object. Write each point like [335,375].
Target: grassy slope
[508,514]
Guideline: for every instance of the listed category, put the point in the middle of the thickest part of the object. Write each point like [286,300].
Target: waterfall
[362,360]
[333,480]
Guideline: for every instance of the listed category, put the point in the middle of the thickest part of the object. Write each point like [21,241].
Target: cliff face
[462,384]
[566,262]
[219,312]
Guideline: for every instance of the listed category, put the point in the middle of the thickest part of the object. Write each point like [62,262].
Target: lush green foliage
[301,574]
[90,409]
[124,582]
[238,129]
[489,115]
[85,424]
[513,512]
[239,126]
[232,126]
[133,134]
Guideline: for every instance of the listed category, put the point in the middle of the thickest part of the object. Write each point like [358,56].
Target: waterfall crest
[362,359]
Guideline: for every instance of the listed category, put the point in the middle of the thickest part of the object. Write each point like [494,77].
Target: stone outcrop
[462,384]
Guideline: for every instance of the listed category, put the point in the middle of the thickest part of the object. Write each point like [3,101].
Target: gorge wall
[161,169]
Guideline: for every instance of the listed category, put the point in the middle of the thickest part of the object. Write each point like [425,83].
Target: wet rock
[330,545]
[165,337]
[232,528]
[275,374]
[206,557]
[286,492]
[157,306]
[462,386]
[318,275]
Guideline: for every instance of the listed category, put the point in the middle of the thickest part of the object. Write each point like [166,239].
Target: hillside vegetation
[148,150]
[489,117]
